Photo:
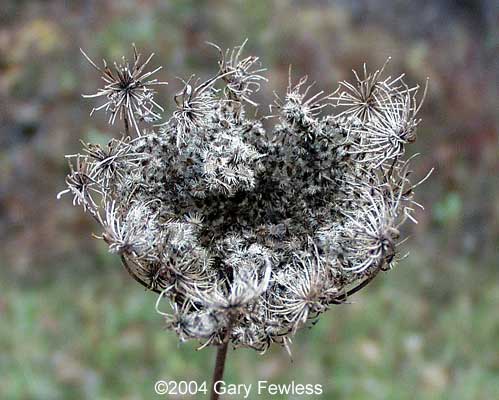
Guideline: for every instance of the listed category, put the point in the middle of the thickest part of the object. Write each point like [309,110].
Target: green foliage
[448,209]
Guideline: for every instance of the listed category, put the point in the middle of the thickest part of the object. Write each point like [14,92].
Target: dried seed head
[299,109]
[128,91]
[241,76]
[250,235]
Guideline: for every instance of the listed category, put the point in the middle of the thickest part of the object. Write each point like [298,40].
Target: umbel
[249,228]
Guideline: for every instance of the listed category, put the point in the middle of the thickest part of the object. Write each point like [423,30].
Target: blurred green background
[72,323]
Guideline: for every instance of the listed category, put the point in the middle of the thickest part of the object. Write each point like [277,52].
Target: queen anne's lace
[249,234]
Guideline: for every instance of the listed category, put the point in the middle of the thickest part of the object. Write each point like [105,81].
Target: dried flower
[81,183]
[128,91]
[195,104]
[369,95]
[297,108]
[241,77]
[247,235]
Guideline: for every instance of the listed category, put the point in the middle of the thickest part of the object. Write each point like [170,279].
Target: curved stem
[134,276]
[344,296]
[218,372]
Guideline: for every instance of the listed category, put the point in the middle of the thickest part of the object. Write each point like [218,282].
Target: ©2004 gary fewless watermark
[237,390]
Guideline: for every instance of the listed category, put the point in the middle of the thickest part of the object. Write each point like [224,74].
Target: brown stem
[218,372]
[127,125]
[344,296]
[134,276]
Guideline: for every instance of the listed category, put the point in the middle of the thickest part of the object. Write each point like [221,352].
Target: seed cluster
[248,233]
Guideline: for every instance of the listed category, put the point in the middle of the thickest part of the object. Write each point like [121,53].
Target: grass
[96,336]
